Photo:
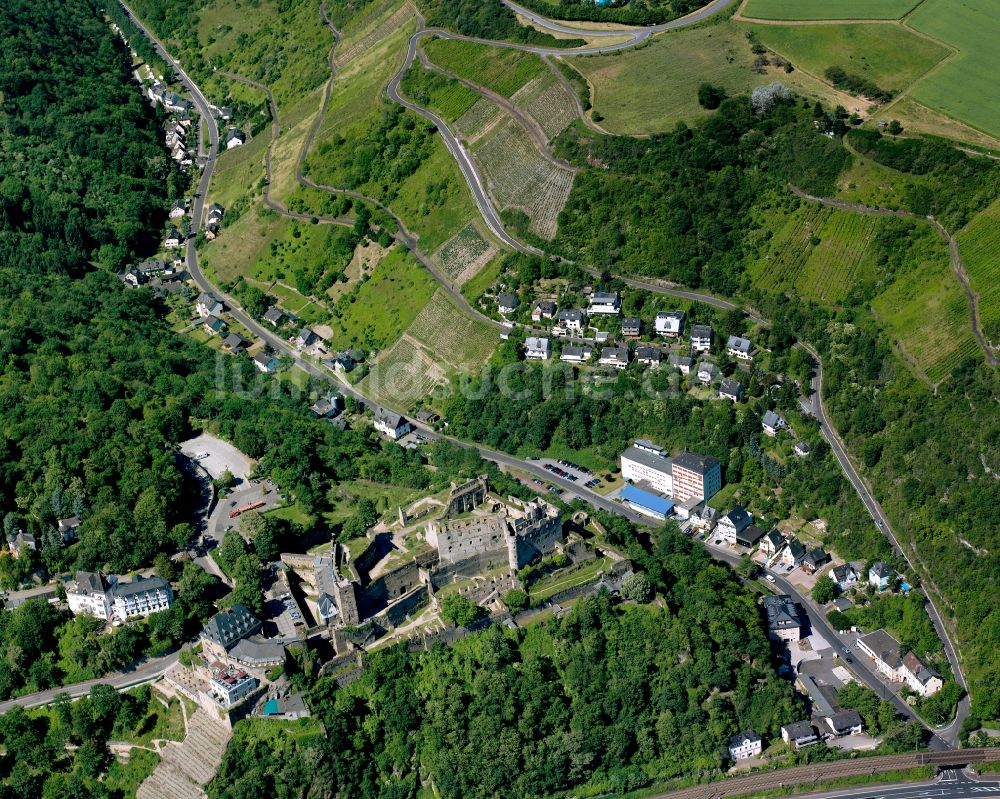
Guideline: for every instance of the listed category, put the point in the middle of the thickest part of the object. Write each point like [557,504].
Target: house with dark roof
[921,678]
[208,305]
[749,536]
[648,356]
[574,354]
[214,325]
[391,424]
[731,390]
[801,448]
[793,553]
[845,576]
[174,239]
[883,649]
[234,343]
[273,316]
[571,321]
[701,338]
[543,309]
[845,722]
[881,575]
[772,423]
[605,302]
[68,527]
[784,620]
[258,653]
[734,522]
[739,348]
[507,303]
[707,372]
[772,543]
[799,734]
[140,597]
[234,138]
[326,407]
[537,348]
[616,356]
[681,363]
[815,559]
[266,363]
[631,326]
[745,745]
[226,628]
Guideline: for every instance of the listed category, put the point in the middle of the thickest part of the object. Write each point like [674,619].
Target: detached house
[701,338]
[508,303]
[390,424]
[881,575]
[234,138]
[648,356]
[179,209]
[543,309]
[537,349]
[745,745]
[614,356]
[273,316]
[605,302]
[801,448]
[772,423]
[772,543]
[215,214]
[266,363]
[214,325]
[736,521]
[739,348]
[793,553]
[845,576]
[174,239]
[815,559]
[799,734]
[707,372]
[731,390]
[573,354]
[681,363]
[669,323]
[846,722]
[571,321]
[631,326]
[208,305]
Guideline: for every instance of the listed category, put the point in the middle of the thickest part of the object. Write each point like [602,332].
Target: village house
[732,523]
[749,536]
[772,423]
[704,520]
[215,214]
[814,560]
[772,543]
[571,321]
[266,363]
[707,372]
[605,303]
[212,231]
[208,305]
[427,417]
[174,239]
[273,316]
[845,576]
[799,734]
[179,209]
[234,343]
[234,138]
[305,338]
[543,309]
[801,448]
[616,356]
[508,303]
[845,722]
[739,348]
[213,325]
[537,349]
[681,363]
[701,338]
[884,650]
[792,554]
[68,528]
[745,745]
[730,390]
[327,407]
[631,326]
[669,323]
[881,575]
[391,424]
[574,354]
[648,356]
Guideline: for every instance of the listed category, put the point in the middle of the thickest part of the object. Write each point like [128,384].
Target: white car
[769,578]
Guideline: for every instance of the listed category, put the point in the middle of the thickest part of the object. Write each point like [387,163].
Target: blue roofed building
[646,502]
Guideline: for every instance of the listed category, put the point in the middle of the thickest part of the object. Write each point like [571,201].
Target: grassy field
[124,779]
[918,118]
[445,329]
[960,87]
[384,305]
[928,314]
[465,254]
[238,171]
[548,102]
[240,246]
[518,177]
[387,498]
[497,68]
[979,244]
[890,55]
[825,9]
[650,89]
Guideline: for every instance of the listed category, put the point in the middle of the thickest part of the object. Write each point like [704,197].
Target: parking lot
[570,471]
[249,493]
[281,610]
[217,456]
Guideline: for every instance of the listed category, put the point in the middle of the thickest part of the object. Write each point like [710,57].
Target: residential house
[273,316]
[745,745]
[391,424]
[427,417]
[326,407]
[616,356]
[179,209]
[543,309]
[234,343]
[266,363]
[921,679]
[208,305]
[814,560]
[846,576]
[345,361]
[707,372]
[701,338]
[508,303]
[234,138]
[89,594]
[571,321]
[681,362]
[739,348]
[731,390]
[749,536]
[305,338]
[845,722]
[225,113]
[801,448]
[537,349]
[881,575]
[215,214]
[704,520]
[793,553]
[772,543]
[134,278]
[214,325]
[648,356]
[772,423]
[605,302]
[229,685]
[226,628]
[799,734]
[574,354]
[68,527]
[212,231]
[631,326]
[737,520]
[669,323]
[884,650]
[174,239]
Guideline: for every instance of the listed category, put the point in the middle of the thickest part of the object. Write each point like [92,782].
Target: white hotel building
[647,463]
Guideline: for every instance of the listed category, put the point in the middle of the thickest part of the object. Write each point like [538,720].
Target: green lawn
[890,55]
[965,85]
[568,578]
[828,9]
[497,68]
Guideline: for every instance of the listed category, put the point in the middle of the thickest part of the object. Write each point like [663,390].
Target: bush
[637,587]
[515,599]
[824,591]
[460,610]
[710,96]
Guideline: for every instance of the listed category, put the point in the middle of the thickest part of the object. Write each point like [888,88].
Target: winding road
[943,737]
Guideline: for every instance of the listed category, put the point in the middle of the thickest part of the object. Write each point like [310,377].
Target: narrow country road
[485,206]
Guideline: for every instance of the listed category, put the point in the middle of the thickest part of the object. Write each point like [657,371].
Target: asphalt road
[951,785]
[146,672]
[492,220]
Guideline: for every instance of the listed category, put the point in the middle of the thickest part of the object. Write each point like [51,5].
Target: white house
[701,338]
[89,594]
[846,576]
[669,323]
[174,239]
[681,363]
[571,321]
[736,521]
[707,372]
[648,356]
[538,349]
[228,686]
[391,424]
[772,423]
[543,309]
[845,722]
[266,363]
[208,305]
[614,356]
[745,745]
[880,575]
[801,448]
[605,302]
[884,650]
[179,209]
[573,354]
[140,597]
[739,348]
[235,138]
[730,390]
[772,543]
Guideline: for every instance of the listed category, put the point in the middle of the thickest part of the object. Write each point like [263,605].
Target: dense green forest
[634,12]
[676,205]
[488,19]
